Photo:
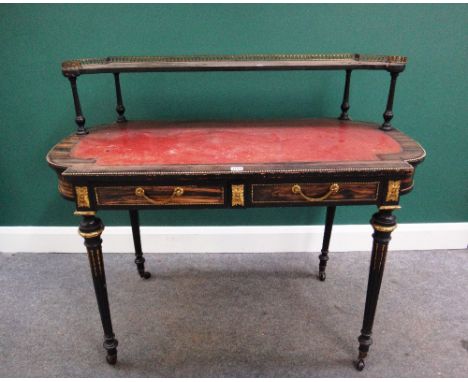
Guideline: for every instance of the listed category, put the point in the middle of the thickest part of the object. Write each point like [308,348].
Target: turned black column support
[139,259]
[90,229]
[388,115]
[345,105]
[120,107]
[326,242]
[79,119]
[383,222]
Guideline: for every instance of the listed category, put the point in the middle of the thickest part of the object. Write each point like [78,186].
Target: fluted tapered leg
[326,242]
[139,259]
[90,229]
[383,222]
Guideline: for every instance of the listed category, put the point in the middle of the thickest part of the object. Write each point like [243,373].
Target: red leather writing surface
[311,140]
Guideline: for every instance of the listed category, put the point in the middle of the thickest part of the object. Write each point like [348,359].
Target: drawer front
[177,195]
[310,193]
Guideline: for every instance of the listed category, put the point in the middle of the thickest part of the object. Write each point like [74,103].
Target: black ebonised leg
[90,229]
[326,242]
[139,259]
[384,223]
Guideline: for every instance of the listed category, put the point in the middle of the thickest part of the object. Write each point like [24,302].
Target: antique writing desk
[308,162]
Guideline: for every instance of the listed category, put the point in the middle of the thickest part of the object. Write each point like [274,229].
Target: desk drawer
[310,193]
[181,195]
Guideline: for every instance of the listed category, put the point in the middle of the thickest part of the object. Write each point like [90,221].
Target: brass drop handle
[178,191]
[334,188]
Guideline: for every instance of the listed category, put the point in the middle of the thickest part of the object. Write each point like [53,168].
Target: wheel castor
[111,359]
[360,364]
[322,276]
[145,275]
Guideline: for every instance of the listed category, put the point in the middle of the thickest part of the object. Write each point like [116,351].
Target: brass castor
[111,359]
[145,275]
[322,276]
[360,364]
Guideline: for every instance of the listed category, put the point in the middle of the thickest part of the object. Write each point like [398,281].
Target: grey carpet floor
[236,315]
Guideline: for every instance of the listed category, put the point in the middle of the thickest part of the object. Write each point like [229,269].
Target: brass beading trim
[381,228]
[222,172]
[84,213]
[389,208]
[90,235]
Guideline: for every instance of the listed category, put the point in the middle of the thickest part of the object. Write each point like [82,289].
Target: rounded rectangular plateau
[236,149]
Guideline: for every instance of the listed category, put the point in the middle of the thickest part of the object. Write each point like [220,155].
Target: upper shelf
[233,63]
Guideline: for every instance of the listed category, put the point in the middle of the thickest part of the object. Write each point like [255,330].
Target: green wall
[36,107]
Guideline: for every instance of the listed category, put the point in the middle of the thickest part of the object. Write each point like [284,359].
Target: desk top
[306,145]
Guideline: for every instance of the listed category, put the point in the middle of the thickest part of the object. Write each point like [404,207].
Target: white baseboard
[235,239]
